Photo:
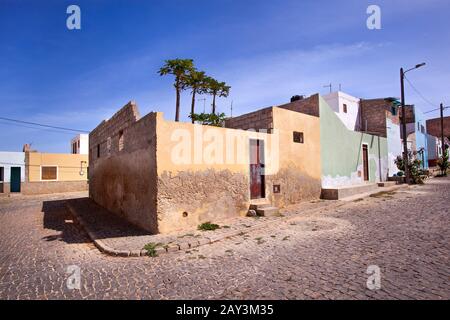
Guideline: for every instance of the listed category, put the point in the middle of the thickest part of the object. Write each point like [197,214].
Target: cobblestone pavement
[322,255]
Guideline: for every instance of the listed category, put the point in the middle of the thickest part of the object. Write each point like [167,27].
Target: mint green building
[349,157]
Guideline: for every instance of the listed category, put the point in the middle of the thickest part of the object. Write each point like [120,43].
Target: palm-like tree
[216,89]
[196,80]
[180,68]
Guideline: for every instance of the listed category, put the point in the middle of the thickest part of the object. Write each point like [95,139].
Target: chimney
[26,148]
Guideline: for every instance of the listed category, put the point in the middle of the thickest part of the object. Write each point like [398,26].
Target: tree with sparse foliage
[443,163]
[196,80]
[180,68]
[217,89]
[414,167]
[210,119]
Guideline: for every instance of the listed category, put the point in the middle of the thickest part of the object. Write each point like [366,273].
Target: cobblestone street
[322,255]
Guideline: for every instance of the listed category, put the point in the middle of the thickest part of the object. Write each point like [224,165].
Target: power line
[435,110]
[420,95]
[43,125]
[34,128]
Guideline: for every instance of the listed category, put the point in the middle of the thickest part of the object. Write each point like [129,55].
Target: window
[1,174]
[74,148]
[108,146]
[298,137]
[120,140]
[49,173]
[422,129]
[98,151]
[344,108]
[394,111]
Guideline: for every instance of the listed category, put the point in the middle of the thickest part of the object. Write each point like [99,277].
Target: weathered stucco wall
[48,187]
[123,179]
[394,145]
[12,159]
[341,152]
[300,166]
[203,173]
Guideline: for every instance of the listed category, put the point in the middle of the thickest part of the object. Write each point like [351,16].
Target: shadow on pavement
[103,223]
[58,218]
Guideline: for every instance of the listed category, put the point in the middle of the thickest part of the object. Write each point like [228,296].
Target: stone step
[398,180]
[387,184]
[256,206]
[268,212]
[347,191]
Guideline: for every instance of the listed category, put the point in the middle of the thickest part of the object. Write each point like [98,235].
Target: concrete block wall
[124,181]
[125,117]
[308,106]
[258,120]
[373,116]
[434,127]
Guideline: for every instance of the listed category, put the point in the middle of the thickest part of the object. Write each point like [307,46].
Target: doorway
[257,181]
[365,162]
[2,174]
[15,179]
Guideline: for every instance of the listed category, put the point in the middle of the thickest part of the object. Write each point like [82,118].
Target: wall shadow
[105,224]
[59,219]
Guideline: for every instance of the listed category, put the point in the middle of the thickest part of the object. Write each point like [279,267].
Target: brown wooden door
[257,184]
[366,162]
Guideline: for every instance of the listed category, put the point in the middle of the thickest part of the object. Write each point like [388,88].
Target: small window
[344,108]
[98,151]
[394,111]
[120,140]
[49,173]
[298,137]
[108,146]
[1,174]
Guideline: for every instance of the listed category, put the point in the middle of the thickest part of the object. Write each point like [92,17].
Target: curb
[174,247]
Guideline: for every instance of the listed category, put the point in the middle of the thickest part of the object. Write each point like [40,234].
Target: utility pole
[442,129]
[329,86]
[405,142]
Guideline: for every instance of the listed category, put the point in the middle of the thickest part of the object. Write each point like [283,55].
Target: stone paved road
[323,255]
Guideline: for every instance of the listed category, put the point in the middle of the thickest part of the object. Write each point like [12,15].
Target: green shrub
[210,119]
[414,167]
[208,226]
[151,249]
[443,163]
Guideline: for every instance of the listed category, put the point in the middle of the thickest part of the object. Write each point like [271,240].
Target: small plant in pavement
[208,226]
[151,249]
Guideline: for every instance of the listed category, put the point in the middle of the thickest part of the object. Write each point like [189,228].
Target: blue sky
[266,50]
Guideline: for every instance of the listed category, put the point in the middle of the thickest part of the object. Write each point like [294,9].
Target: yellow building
[53,172]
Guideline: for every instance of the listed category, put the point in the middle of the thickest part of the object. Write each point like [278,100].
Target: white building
[346,108]
[80,144]
[12,171]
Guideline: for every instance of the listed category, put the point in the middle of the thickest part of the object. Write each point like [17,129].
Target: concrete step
[397,179]
[347,191]
[256,206]
[268,212]
[387,183]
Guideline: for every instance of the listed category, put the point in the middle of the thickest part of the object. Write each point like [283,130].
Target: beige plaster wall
[69,165]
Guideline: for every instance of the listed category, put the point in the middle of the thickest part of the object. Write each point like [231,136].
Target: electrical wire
[43,125]
[420,94]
